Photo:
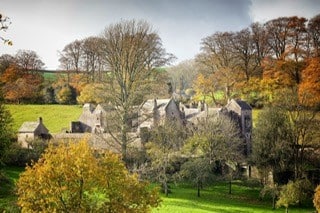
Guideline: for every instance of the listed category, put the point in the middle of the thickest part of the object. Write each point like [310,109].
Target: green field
[55,117]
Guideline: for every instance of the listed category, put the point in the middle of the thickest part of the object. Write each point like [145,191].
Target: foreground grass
[8,198]
[183,199]
[55,117]
[216,199]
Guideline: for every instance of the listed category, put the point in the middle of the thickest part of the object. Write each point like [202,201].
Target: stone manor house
[93,121]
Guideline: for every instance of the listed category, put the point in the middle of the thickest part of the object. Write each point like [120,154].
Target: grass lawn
[216,199]
[55,117]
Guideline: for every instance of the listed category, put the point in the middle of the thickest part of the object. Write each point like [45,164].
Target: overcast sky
[47,26]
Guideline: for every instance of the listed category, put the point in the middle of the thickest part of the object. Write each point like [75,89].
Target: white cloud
[262,10]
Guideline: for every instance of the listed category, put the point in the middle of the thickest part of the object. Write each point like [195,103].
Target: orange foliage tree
[309,89]
[20,85]
[73,178]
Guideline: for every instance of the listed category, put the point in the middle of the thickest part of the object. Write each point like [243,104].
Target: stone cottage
[241,112]
[92,120]
[29,131]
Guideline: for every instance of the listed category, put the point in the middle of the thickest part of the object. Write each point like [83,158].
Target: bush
[294,193]
[18,156]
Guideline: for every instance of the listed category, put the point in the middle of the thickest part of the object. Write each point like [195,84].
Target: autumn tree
[66,95]
[19,85]
[71,177]
[217,57]
[6,61]
[92,93]
[316,198]
[309,89]
[131,51]
[206,86]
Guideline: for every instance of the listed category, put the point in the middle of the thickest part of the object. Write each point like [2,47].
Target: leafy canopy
[73,178]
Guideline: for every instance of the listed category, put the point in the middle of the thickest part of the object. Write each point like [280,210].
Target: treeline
[82,77]
[256,63]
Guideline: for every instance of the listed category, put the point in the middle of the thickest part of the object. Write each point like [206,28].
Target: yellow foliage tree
[93,93]
[73,178]
[316,198]
[206,86]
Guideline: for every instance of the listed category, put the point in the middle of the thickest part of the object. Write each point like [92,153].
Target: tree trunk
[124,138]
[273,201]
[165,187]
[199,186]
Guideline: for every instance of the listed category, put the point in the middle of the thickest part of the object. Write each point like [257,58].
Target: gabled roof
[32,126]
[243,105]
[29,126]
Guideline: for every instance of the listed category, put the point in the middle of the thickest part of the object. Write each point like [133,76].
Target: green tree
[304,128]
[72,177]
[217,139]
[293,193]
[288,196]
[6,131]
[198,172]
[272,150]
[163,149]
[272,190]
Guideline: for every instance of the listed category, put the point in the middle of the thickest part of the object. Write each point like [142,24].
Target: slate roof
[243,105]
[29,126]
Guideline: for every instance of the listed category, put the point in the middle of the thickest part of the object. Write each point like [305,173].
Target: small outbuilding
[29,131]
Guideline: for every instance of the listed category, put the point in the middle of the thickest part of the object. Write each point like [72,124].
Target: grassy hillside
[55,117]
